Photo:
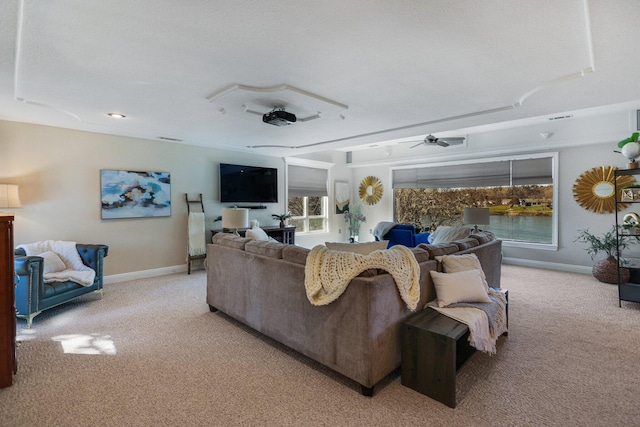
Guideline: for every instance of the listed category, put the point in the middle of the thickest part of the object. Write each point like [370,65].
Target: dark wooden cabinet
[8,362]
[281,234]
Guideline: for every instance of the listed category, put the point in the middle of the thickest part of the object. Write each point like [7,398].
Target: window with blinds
[518,191]
[308,200]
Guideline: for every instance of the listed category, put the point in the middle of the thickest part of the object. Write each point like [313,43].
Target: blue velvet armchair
[33,295]
[405,234]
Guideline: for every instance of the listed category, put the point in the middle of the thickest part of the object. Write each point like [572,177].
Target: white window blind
[487,174]
[532,171]
[305,181]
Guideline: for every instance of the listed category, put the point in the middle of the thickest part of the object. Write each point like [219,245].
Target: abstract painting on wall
[131,194]
[342,196]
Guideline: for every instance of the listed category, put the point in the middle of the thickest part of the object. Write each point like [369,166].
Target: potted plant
[606,270]
[630,148]
[282,218]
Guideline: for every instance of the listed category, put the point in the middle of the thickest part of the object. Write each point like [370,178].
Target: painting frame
[134,194]
[341,196]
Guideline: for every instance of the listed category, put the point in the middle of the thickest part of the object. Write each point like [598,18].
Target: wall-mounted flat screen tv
[248,184]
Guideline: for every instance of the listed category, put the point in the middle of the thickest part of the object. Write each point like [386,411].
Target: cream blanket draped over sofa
[75,270]
[328,272]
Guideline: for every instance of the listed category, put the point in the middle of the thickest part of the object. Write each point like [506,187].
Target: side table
[434,347]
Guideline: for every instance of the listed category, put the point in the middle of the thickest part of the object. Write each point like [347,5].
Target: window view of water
[536,229]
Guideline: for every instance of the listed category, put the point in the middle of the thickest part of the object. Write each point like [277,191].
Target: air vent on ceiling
[568,116]
[166,138]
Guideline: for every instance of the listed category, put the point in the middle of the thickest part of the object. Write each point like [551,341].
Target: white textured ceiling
[360,71]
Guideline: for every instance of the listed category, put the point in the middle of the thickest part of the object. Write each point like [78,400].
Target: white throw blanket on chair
[328,272]
[75,270]
[196,234]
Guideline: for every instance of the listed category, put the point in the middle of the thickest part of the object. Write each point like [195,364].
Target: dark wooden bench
[434,347]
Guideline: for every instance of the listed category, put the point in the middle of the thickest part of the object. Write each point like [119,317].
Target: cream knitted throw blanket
[328,272]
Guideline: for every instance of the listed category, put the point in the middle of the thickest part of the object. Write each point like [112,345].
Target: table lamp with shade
[234,218]
[9,196]
[475,216]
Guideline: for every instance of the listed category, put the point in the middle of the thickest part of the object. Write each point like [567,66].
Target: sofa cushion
[256,233]
[421,254]
[483,236]
[230,240]
[467,243]
[465,262]
[439,249]
[358,248]
[463,286]
[295,254]
[446,233]
[266,248]
[52,262]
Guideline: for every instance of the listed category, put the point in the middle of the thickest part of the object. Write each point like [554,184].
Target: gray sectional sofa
[261,284]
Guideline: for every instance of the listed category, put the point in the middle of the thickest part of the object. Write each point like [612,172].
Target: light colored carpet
[157,356]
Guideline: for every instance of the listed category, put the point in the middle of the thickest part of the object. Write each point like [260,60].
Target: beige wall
[58,171]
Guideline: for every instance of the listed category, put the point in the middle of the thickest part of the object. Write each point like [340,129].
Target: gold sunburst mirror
[370,190]
[594,190]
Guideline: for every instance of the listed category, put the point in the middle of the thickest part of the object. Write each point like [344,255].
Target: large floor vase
[607,271]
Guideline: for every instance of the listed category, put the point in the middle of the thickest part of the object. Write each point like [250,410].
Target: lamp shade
[475,216]
[9,197]
[235,218]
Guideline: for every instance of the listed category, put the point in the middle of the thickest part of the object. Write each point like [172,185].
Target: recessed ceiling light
[116,115]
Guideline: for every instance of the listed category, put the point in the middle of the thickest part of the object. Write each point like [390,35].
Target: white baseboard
[144,274]
[548,265]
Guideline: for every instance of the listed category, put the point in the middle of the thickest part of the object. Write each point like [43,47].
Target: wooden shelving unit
[627,290]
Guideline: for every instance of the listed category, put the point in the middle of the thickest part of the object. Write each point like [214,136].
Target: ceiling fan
[442,142]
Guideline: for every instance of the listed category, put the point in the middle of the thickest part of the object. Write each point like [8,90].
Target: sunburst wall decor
[594,190]
[370,190]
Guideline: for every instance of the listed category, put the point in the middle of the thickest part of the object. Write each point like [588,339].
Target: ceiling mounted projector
[279,118]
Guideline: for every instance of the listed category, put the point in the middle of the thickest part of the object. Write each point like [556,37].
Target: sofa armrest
[422,238]
[26,265]
[29,270]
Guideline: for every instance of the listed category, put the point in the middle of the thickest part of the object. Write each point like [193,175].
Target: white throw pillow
[256,233]
[358,248]
[464,286]
[446,234]
[52,262]
[456,263]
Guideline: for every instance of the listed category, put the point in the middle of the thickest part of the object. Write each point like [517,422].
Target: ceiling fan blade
[414,146]
[453,140]
[442,143]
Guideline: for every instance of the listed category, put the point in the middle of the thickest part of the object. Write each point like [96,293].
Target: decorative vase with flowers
[354,218]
